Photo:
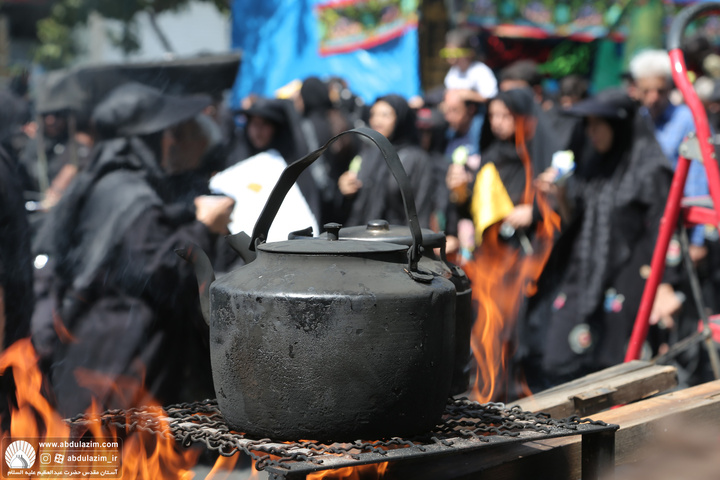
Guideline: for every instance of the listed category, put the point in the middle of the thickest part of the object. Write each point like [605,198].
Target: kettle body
[331,347]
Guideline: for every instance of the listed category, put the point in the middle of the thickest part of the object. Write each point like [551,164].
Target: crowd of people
[90,273]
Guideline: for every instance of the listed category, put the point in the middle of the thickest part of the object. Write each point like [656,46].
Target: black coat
[16,270]
[128,303]
[380,198]
[589,294]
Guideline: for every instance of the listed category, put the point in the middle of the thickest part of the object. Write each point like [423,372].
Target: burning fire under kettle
[329,339]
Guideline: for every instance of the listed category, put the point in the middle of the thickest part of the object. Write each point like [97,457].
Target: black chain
[202,423]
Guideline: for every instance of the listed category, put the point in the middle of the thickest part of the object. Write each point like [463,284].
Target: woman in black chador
[122,305]
[514,142]
[581,319]
[515,149]
[273,124]
[368,186]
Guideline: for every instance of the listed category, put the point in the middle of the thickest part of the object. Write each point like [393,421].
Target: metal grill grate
[466,425]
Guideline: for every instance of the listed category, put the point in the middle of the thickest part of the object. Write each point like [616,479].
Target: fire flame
[144,455]
[32,416]
[362,472]
[223,466]
[500,276]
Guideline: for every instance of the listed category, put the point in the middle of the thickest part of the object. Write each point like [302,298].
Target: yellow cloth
[490,201]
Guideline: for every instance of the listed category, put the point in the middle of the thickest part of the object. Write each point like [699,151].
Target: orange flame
[361,472]
[500,276]
[21,357]
[144,455]
[223,466]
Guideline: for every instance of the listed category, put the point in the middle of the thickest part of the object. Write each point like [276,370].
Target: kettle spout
[204,272]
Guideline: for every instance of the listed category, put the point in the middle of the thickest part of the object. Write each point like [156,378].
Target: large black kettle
[330,339]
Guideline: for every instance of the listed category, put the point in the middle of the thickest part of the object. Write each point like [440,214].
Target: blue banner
[280,41]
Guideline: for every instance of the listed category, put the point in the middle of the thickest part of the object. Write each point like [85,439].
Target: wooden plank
[698,405]
[610,372]
[639,423]
[514,462]
[560,458]
[599,391]
[537,460]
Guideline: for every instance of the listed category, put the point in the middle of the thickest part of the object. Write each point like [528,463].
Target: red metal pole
[702,127]
[672,207]
[668,222]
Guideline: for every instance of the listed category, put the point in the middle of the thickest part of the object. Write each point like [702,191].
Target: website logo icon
[20,454]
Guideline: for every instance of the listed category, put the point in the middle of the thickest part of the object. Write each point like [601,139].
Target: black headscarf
[504,153]
[618,110]
[316,100]
[287,138]
[315,96]
[137,109]
[405,132]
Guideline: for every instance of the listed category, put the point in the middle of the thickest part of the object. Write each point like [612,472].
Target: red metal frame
[673,206]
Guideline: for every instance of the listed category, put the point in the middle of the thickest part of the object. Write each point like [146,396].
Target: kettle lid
[331,243]
[319,246]
[382,231]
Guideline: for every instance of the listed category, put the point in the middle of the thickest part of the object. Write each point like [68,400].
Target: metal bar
[467,429]
[680,346]
[657,266]
[597,459]
[702,127]
[598,455]
[699,216]
[455,447]
[699,303]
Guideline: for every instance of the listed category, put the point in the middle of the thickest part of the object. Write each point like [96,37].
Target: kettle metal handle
[291,173]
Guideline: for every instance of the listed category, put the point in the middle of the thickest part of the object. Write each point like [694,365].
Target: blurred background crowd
[106,170]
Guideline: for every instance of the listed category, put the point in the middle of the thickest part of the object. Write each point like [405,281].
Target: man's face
[457,113]
[653,93]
